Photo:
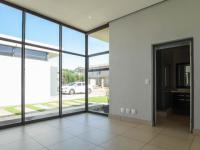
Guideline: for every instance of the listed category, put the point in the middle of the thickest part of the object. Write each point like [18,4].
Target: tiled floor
[93,132]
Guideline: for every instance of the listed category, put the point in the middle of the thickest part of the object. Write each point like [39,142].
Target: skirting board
[196,132]
[129,119]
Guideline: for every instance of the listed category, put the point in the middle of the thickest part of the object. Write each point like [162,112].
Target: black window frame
[59,49]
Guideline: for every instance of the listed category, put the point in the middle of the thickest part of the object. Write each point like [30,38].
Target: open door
[168,45]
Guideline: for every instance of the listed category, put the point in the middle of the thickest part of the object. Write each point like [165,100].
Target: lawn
[66,103]
[13,109]
[100,99]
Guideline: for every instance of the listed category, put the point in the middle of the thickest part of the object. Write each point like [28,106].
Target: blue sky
[44,31]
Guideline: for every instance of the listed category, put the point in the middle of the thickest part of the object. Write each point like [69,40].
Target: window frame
[59,49]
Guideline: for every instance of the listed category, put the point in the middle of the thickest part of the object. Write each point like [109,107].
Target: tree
[71,76]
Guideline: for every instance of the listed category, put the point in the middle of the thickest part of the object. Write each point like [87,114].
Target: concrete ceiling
[85,14]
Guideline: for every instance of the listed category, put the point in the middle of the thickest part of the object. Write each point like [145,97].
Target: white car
[75,87]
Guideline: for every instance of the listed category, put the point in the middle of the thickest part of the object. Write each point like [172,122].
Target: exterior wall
[131,40]
[10,80]
[38,81]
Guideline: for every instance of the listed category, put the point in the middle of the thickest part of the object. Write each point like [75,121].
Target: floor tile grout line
[159,132]
[39,143]
[191,143]
[95,143]
[147,143]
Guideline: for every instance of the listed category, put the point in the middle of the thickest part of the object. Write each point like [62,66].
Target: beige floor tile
[171,143]
[151,147]
[25,144]
[73,144]
[78,129]
[126,123]
[116,129]
[96,136]
[180,133]
[93,132]
[51,138]
[140,134]
[123,143]
[150,128]
[196,143]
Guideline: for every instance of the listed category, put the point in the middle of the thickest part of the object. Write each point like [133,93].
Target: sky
[44,31]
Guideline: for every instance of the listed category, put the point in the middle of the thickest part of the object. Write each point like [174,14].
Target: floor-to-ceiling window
[43,63]
[10,65]
[36,43]
[41,68]
[98,71]
[73,71]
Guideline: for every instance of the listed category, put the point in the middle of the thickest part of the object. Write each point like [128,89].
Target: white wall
[39,81]
[10,80]
[131,38]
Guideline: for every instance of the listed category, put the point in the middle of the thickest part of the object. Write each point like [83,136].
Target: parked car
[75,87]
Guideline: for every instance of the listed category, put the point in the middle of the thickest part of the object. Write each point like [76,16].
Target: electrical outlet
[133,111]
[122,110]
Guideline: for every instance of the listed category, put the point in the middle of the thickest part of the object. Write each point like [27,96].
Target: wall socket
[122,110]
[133,111]
[128,111]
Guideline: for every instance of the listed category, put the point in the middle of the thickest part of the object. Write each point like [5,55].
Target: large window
[98,73]
[98,62]
[73,83]
[10,65]
[73,41]
[41,32]
[31,66]
[42,83]
[11,22]
[98,41]
[41,68]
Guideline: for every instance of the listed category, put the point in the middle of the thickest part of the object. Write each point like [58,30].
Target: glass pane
[73,83]
[73,41]
[42,83]
[42,32]
[10,79]
[98,91]
[11,22]
[98,41]
[99,62]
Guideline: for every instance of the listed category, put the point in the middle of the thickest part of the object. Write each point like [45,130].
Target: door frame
[171,44]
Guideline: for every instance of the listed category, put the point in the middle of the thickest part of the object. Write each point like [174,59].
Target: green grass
[33,107]
[13,109]
[55,104]
[100,99]
[51,104]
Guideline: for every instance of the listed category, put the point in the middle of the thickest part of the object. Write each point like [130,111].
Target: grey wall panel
[131,38]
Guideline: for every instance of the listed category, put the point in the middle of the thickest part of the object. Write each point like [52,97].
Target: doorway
[173,84]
